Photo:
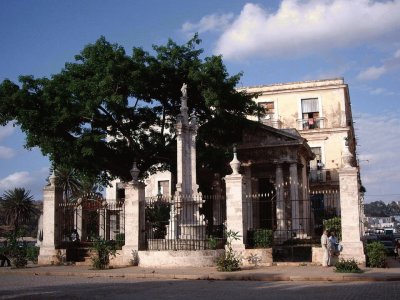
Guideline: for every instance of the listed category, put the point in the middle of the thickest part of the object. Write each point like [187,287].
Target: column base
[129,255]
[51,256]
[192,232]
[353,251]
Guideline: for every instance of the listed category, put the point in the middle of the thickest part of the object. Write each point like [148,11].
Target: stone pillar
[294,196]
[193,155]
[179,150]
[52,197]
[249,199]
[350,215]
[235,205]
[216,200]
[306,201]
[78,218]
[134,220]
[281,230]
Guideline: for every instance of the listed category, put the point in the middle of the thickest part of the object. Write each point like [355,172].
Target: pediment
[266,136]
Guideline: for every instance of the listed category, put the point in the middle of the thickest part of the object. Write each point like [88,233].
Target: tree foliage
[18,207]
[381,209]
[132,99]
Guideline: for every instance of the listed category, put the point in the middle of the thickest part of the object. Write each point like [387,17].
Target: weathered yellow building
[321,112]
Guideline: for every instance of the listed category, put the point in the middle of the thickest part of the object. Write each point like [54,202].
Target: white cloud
[6,131]
[33,182]
[380,163]
[310,26]
[212,22]
[17,179]
[373,73]
[6,153]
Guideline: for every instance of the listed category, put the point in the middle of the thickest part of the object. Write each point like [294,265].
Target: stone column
[235,206]
[193,155]
[281,230]
[350,215]
[78,218]
[216,200]
[52,197]
[294,196]
[248,198]
[306,201]
[179,152]
[134,220]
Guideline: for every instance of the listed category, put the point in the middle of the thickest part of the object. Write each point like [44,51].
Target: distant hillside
[381,209]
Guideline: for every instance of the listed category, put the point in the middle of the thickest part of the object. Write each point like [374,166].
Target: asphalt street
[65,287]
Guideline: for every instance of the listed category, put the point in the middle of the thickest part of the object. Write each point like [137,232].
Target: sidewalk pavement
[279,272]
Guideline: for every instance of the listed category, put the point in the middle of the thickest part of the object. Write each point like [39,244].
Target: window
[269,110]
[310,113]
[316,165]
[163,187]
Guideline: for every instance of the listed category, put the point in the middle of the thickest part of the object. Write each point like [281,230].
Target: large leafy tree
[18,207]
[107,109]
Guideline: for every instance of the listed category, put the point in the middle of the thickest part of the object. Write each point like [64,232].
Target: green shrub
[229,262]
[120,240]
[32,253]
[347,266]
[263,238]
[376,255]
[212,242]
[103,250]
[16,250]
[334,224]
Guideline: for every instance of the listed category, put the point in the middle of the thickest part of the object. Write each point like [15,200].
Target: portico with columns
[274,164]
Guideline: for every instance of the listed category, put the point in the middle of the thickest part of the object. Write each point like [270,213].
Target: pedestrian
[3,258]
[333,244]
[325,252]
[396,249]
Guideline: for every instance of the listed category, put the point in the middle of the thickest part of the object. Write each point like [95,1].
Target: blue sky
[270,41]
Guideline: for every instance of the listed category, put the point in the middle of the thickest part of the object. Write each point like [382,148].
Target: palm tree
[17,206]
[68,180]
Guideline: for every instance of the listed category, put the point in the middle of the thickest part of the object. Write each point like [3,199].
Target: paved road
[53,287]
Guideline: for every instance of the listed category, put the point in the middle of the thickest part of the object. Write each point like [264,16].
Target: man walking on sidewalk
[325,249]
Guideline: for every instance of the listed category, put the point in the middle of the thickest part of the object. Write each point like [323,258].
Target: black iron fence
[82,221]
[290,226]
[186,222]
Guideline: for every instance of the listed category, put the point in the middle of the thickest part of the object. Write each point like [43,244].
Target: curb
[212,276]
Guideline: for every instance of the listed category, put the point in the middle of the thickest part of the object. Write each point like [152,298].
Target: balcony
[272,122]
[325,176]
[310,124]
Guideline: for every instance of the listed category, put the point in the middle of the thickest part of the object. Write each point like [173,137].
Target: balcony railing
[309,124]
[324,176]
[276,123]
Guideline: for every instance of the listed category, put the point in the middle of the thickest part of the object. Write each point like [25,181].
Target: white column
[280,204]
[350,215]
[234,209]
[179,150]
[193,135]
[249,200]
[134,218]
[216,200]
[52,196]
[294,196]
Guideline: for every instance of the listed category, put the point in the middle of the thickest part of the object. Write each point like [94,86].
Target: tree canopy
[17,206]
[381,209]
[107,109]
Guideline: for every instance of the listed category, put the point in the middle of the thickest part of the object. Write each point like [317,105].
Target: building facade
[320,110]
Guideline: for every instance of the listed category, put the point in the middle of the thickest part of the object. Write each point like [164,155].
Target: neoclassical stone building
[320,110]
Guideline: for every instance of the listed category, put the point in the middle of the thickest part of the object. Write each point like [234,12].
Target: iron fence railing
[186,222]
[80,222]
